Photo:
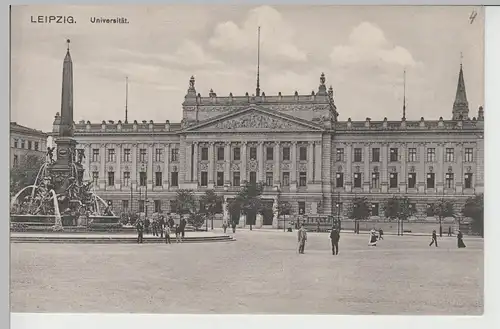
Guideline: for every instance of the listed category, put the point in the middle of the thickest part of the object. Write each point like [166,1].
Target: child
[166,230]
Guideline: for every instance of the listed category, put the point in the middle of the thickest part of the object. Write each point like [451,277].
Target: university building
[295,144]
[26,141]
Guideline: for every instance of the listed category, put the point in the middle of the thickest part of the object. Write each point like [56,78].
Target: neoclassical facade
[294,144]
[26,141]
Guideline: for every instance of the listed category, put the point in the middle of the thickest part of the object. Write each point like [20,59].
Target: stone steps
[113,239]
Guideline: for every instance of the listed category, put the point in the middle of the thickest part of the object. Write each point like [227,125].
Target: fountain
[60,196]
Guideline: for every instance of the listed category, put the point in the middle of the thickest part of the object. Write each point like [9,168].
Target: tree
[360,210]
[185,205]
[474,209]
[24,173]
[399,208]
[209,205]
[441,209]
[248,201]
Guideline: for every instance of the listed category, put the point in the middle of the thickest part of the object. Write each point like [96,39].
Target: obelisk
[64,166]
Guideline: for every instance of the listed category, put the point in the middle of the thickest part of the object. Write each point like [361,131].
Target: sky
[363,52]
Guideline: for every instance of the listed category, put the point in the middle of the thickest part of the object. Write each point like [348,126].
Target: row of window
[143,155]
[174,178]
[285,181]
[394,156]
[412,180]
[22,144]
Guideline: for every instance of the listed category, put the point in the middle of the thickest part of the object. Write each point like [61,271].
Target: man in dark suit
[434,239]
[335,237]
[182,226]
[161,224]
[140,231]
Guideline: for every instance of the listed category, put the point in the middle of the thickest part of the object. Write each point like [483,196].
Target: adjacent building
[26,141]
[294,144]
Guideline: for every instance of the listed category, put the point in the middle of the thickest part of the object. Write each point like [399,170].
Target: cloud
[276,36]
[367,43]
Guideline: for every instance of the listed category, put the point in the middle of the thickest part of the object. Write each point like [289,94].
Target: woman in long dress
[373,238]
[460,240]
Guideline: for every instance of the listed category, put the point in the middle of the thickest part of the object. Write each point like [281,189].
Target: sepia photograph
[247,159]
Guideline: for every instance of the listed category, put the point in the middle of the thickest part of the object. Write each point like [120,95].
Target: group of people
[161,228]
[334,237]
[374,236]
[460,239]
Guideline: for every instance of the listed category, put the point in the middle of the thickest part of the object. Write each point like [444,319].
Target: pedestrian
[233,226]
[224,227]
[373,238]
[178,233]
[171,222]
[434,238]
[380,234]
[147,223]
[166,230]
[154,225]
[161,226]
[449,230]
[460,240]
[302,236]
[140,229]
[335,237]
[183,226]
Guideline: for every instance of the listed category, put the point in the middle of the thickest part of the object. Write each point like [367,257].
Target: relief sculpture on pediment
[255,120]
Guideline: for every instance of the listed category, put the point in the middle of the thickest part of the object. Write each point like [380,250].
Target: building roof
[15,127]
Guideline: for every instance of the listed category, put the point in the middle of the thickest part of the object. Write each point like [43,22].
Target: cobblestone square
[259,273]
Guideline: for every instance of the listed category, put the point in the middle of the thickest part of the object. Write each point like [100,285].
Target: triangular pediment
[254,119]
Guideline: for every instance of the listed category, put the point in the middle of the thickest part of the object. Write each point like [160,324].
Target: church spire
[461,105]
[67,96]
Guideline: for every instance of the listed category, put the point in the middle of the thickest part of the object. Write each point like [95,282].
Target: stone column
[102,170]
[261,160]
[459,175]
[440,168]
[366,167]
[293,173]
[118,170]
[276,174]
[211,164]
[88,155]
[149,167]
[134,175]
[348,169]
[479,159]
[421,173]
[189,162]
[403,180]
[384,183]
[310,162]
[195,163]
[166,165]
[227,163]
[318,154]
[243,162]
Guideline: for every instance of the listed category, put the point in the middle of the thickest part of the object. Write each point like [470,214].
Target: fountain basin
[45,222]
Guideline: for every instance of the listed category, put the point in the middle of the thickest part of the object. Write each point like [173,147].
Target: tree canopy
[474,209]
[399,208]
[24,173]
[360,208]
